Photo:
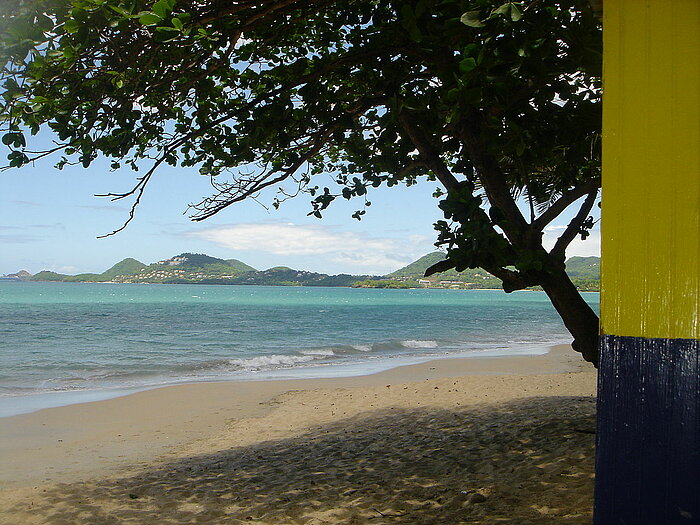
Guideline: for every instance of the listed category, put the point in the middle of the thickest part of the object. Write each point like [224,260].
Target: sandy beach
[489,440]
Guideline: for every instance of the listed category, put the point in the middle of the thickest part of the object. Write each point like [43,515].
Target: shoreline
[439,441]
[12,405]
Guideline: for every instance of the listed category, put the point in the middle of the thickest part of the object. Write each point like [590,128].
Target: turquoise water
[68,342]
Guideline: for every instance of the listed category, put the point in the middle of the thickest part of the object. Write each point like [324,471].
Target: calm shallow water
[69,342]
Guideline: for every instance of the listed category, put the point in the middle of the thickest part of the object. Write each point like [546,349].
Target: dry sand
[507,440]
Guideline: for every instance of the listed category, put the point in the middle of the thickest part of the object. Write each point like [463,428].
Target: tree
[498,102]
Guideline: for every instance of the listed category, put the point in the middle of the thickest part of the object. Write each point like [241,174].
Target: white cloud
[338,251]
[591,246]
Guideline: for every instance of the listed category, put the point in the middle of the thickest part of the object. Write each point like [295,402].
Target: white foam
[413,343]
[321,352]
[363,348]
[270,361]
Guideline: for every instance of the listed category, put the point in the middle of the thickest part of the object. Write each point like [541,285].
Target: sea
[65,343]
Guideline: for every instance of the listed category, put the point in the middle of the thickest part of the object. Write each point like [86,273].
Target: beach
[477,440]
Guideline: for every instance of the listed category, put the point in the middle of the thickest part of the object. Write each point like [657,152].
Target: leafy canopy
[253,93]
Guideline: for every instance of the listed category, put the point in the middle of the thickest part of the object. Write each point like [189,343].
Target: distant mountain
[189,267]
[417,268]
[583,271]
[243,267]
[202,261]
[197,268]
[22,275]
[128,266]
[476,278]
[583,268]
[48,276]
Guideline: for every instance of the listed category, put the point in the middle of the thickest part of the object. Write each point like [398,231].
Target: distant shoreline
[286,285]
[197,268]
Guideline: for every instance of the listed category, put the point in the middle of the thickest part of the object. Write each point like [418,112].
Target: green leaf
[177,23]
[71,26]
[163,7]
[120,10]
[515,13]
[469,49]
[503,10]
[472,19]
[150,19]
[79,14]
[467,65]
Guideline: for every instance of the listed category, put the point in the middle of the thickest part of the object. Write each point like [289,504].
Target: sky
[50,220]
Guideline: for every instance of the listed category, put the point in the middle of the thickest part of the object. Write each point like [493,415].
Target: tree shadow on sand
[524,462]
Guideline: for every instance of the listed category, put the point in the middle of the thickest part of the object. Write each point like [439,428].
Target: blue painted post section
[648,438]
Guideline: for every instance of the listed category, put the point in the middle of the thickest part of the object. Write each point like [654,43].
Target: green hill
[240,266]
[48,276]
[123,268]
[190,267]
[197,268]
[417,268]
[584,272]
[128,266]
[85,278]
[186,267]
[583,268]
[470,278]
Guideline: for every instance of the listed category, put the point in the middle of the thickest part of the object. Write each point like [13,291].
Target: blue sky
[49,220]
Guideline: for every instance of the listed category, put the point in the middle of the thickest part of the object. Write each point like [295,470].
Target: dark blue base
[648,438]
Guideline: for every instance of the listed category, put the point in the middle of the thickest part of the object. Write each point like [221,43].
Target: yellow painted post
[648,460]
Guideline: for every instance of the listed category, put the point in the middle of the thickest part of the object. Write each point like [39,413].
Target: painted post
[648,456]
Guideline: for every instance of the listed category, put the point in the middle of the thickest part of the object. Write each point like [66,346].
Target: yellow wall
[651,169]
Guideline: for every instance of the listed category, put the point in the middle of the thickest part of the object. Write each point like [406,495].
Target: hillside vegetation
[194,268]
[583,271]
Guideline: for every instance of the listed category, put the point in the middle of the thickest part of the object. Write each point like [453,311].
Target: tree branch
[233,193]
[439,267]
[494,182]
[431,157]
[575,225]
[512,280]
[564,202]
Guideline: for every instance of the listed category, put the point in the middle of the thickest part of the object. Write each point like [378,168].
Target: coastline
[11,406]
[86,445]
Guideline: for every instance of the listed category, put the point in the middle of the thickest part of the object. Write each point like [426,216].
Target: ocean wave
[322,352]
[271,361]
[415,343]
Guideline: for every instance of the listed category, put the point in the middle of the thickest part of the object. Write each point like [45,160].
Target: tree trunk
[578,317]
